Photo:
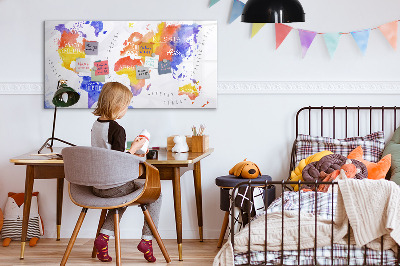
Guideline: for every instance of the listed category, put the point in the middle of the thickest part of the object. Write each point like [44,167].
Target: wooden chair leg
[223,229]
[117,238]
[101,222]
[73,237]
[154,230]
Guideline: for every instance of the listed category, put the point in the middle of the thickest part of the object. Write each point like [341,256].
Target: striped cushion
[13,228]
[372,145]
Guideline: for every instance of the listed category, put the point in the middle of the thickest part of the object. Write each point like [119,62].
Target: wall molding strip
[260,87]
[21,88]
[310,87]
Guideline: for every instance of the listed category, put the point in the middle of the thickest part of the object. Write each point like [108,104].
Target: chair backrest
[92,166]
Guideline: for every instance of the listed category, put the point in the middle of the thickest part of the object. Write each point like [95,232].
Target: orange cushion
[375,170]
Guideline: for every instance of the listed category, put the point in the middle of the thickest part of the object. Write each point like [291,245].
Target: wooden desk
[40,167]
[171,167]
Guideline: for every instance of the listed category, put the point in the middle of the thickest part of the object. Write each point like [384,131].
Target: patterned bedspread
[323,207]
[324,257]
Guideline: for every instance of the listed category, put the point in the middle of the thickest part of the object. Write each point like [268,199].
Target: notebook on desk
[52,155]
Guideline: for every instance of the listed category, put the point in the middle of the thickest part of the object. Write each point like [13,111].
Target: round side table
[228,182]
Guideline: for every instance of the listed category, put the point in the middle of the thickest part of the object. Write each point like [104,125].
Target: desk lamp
[273,11]
[63,97]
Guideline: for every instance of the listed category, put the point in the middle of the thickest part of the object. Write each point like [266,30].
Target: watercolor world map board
[166,64]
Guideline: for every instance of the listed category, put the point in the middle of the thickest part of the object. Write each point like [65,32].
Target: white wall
[259,127]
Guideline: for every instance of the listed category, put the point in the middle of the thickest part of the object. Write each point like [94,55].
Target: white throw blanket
[373,208]
[274,235]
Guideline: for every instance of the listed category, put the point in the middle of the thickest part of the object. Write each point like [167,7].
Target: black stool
[226,183]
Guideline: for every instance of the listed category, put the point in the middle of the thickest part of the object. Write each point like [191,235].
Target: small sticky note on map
[101,67]
[100,78]
[82,65]
[164,67]
[145,49]
[142,72]
[91,48]
[151,61]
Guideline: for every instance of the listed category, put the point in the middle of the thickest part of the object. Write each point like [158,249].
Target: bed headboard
[345,117]
[344,121]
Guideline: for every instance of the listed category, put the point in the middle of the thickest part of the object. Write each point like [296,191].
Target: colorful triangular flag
[281,31]
[256,27]
[213,2]
[237,8]
[361,37]
[332,41]
[306,39]
[389,30]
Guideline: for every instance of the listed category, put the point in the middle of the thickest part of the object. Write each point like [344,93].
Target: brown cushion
[328,164]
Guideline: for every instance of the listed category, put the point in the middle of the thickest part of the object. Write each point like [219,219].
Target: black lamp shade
[273,11]
[73,96]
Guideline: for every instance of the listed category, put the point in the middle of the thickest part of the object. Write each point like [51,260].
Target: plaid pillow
[372,145]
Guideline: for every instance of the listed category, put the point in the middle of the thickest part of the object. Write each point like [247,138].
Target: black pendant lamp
[273,11]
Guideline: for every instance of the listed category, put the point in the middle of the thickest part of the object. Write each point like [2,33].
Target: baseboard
[260,87]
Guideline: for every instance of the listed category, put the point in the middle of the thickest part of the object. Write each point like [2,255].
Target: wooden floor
[50,252]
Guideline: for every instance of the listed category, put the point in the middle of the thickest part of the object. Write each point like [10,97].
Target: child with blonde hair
[113,103]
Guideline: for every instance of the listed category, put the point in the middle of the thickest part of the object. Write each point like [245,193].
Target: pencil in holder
[200,143]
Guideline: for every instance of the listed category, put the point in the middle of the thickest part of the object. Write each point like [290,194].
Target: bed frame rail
[265,185]
[346,110]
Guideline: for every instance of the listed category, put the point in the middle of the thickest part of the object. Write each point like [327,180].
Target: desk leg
[199,204]
[60,190]
[176,182]
[27,206]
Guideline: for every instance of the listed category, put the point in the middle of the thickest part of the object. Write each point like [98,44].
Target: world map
[164,64]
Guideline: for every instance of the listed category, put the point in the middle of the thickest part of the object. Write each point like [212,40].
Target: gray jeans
[154,208]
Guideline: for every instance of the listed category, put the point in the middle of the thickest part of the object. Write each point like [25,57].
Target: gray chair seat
[83,196]
[85,167]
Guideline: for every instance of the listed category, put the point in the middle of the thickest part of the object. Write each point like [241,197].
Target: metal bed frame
[283,184]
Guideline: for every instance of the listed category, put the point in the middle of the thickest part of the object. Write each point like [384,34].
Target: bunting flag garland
[256,27]
[332,41]
[361,37]
[306,39]
[213,2]
[389,30]
[237,8]
[281,31]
